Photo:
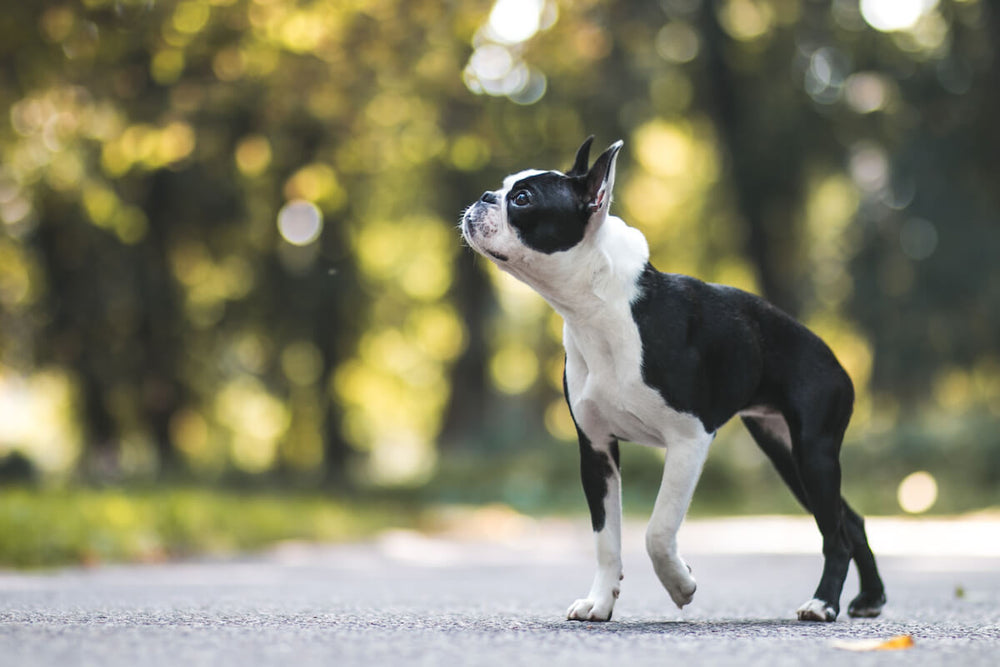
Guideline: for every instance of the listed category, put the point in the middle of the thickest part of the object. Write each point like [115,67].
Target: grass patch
[42,528]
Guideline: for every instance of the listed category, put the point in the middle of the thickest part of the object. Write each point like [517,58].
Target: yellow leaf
[892,644]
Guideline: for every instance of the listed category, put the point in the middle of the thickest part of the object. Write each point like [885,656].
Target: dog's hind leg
[817,425]
[681,469]
[599,470]
[869,602]
[771,434]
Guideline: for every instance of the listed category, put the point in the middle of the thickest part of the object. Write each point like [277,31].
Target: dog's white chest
[607,393]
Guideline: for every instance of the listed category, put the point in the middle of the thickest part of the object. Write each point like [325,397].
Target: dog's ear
[601,178]
[582,158]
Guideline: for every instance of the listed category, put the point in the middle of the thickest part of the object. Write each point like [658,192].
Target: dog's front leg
[599,469]
[681,469]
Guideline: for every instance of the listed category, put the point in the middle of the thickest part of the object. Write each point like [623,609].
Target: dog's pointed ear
[601,178]
[582,158]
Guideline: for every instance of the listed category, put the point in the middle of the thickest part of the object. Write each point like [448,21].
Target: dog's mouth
[497,256]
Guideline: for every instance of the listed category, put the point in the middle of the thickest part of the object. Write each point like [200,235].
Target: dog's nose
[488,197]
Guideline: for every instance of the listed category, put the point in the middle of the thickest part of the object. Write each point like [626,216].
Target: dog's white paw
[589,609]
[675,575]
[816,610]
[682,589]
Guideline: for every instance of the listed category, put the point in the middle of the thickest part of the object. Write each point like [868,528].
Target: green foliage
[40,528]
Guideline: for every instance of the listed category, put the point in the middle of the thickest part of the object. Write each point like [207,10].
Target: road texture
[493,591]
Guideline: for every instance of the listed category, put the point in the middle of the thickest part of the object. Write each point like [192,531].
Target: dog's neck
[596,278]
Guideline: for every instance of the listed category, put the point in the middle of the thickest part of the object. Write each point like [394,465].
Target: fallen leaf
[892,644]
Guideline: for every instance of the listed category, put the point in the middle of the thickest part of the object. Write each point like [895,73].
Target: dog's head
[536,215]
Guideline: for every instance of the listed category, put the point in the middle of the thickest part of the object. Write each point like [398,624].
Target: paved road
[405,599]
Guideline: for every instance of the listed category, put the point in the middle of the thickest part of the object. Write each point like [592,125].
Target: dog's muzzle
[471,220]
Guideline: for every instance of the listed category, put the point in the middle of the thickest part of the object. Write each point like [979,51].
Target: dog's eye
[521,198]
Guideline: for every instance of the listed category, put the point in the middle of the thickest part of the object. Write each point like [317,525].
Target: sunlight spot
[558,421]
[514,368]
[491,61]
[167,66]
[189,432]
[36,419]
[890,15]
[677,42]
[531,89]
[866,92]
[514,21]
[917,492]
[869,166]
[191,17]
[664,149]
[824,79]
[401,458]
[253,155]
[302,363]
[300,222]
[746,20]
[316,182]
[176,142]
[496,66]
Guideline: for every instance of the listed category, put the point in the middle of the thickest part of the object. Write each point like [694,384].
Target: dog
[665,360]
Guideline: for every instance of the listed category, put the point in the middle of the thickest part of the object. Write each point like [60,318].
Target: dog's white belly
[607,393]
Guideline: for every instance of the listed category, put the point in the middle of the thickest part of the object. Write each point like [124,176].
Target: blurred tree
[228,238]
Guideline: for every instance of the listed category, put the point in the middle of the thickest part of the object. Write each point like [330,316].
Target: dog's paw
[866,605]
[682,589]
[817,610]
[675,575]
[589,609]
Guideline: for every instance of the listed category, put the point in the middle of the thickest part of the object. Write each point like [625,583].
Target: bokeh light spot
[300,222]
[302,363]
[514,368]
[558,421]
[514,21]
[866,92]
[917,492]
[869,166]
[531,90]
[746,20]
[253,155]
[191,17]
[890,15]
[677,42]
[491,61]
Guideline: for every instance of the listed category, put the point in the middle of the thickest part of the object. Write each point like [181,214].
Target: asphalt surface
[469,598]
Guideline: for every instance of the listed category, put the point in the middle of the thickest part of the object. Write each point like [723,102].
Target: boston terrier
[665,360]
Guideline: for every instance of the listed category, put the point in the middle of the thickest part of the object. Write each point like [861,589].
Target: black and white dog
[665,360]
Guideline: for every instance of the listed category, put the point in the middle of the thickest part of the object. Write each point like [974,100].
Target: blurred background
[235,307]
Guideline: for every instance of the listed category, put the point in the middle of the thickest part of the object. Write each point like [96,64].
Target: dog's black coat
[713,350]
